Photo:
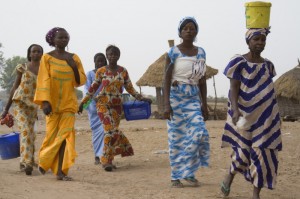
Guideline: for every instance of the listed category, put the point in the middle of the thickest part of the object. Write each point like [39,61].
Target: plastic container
[9,146]
[257,14]
[136,110]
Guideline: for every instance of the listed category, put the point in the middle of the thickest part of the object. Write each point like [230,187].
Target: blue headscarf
[256,31]
[186,20]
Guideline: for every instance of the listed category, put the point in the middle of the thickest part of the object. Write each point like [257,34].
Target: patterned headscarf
[51,34]
[256,31]
[185,21]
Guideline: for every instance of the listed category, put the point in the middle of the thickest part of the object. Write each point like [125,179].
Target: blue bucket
[9,146]
[136,110]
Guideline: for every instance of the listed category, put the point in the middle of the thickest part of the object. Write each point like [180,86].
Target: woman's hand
[80,108]
[4,114]
[146,100]
[47,109]
[70,61]
[204,112]
[236,115]
[168,112]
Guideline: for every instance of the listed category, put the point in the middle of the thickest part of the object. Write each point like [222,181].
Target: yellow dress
[56,84]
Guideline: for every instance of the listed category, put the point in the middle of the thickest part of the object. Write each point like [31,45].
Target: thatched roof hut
[287,89]
[154,76]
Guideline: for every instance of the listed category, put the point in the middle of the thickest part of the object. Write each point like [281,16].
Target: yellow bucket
[257,14]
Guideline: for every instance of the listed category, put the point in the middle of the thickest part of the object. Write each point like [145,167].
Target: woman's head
[113,54]
[34,52]
[256,39]
[188,27]
[58,37]
[100,60]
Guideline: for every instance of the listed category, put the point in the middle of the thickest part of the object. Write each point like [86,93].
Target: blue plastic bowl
[9,146]
[136,110]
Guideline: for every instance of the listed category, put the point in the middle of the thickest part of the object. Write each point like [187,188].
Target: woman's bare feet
[64,178]
[97,160]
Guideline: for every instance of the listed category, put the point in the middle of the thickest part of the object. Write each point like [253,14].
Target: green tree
[7,72]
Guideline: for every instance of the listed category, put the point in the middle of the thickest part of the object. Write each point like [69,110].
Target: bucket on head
[257,14]
[136,110]
[9,146]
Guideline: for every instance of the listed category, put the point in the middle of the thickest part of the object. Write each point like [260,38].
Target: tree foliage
[1,58]
[7,72]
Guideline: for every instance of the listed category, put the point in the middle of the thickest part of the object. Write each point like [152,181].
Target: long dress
[109,107]
[25,112]
[255,147]
[56,84]
[187,134]
[95,123]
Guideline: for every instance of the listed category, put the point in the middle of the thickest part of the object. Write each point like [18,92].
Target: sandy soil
[147,173]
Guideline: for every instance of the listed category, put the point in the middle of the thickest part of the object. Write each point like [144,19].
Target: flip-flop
[64,178]
[41,170]
[225,190]
[108,167]
[176,184]
[192,181]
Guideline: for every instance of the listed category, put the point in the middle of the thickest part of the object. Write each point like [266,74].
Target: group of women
[48,80]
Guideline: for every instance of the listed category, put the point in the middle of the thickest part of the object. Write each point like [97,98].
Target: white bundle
[242,124]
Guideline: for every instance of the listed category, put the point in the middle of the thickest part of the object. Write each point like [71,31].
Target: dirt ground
[146,175]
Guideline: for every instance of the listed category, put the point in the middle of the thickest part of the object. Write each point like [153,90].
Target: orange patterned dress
[25,112]
[109,108]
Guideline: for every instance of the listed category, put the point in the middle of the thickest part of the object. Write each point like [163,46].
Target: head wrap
[51,34]
[256,31]
[185,21]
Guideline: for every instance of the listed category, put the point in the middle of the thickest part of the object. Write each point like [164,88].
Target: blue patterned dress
[95,123]
[255,149]
[187,135]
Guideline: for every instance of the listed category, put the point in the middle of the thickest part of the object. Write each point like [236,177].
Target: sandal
[28,170]
[64,178]
[192,181]
[97,160]
[108,167]
[176,184]
[41,170]
[225,190]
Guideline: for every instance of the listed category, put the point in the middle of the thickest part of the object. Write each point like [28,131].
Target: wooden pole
[216,100]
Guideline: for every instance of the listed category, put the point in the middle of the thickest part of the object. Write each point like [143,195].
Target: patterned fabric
[256,31]
[187,134]
[95,123]
[187,69]
[25,91]
[259,166]
[25,113]
[257,103]
[26,116]
[55,84]
[109,108]
[59,127]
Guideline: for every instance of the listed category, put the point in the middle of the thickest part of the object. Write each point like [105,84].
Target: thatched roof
[288,84]
[154,76]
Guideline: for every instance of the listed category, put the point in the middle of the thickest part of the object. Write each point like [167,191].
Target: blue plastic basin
[9,146]
[136,110]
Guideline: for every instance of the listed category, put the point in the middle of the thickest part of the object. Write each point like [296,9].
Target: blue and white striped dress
[187,134]
[255,149]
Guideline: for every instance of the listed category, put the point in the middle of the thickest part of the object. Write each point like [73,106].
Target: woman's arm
[167,87]
[12,92]
[233,96]
[71,62]
[203,96]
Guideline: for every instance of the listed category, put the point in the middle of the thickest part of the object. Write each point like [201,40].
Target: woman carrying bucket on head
[111,79]
[25,111]
[253,124]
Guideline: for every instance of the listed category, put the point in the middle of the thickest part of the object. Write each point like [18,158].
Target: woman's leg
[60,174]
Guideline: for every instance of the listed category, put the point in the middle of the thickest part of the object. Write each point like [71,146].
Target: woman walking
[186,106]
[25,111]
[253,124]
[60,72]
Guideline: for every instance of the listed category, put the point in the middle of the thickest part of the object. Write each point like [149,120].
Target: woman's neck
[59,50]
[187,44]
[254,57]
